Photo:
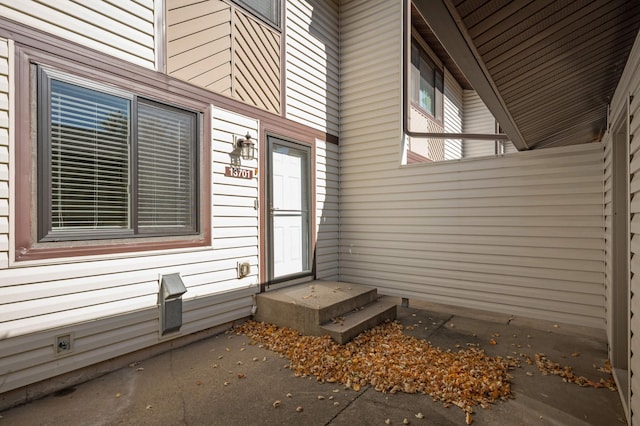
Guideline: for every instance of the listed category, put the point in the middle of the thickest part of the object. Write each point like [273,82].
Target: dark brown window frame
[45,234]
[121,74]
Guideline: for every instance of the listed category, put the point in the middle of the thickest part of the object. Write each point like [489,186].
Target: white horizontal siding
[327,210]
[521,234]
[609,244]
[509,247]
[31,357]
[634,229]
[509,147]
[121,28]
[312,64]
[628,89]
[40,302]
[371,44]
[608,224]
[477,119]
[633,91]
[4,154]
[234,198]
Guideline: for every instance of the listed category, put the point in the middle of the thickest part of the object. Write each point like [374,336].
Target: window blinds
[166,167]
[90,141]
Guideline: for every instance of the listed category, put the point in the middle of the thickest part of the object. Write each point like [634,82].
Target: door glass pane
[89,159]
[290,210]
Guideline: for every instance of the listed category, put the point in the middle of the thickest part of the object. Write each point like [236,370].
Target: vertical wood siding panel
[112,27]
[312,88]
[4,153]
[327,210]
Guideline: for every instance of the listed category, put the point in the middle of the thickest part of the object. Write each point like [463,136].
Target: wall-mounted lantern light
[247,147]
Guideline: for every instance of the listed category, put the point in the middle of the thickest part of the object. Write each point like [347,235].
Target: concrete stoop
[341,310]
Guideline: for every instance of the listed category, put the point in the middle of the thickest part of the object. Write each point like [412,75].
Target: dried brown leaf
[390,361]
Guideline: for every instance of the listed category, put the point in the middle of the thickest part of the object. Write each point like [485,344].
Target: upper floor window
[112,164]
[427,83]
[269,10]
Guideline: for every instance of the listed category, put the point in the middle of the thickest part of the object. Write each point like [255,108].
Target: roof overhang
[546,69]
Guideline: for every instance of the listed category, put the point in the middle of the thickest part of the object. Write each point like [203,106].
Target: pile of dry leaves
[546,366]
[391,361]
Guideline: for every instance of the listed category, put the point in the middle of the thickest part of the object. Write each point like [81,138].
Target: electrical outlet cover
[244,269]
[63,344]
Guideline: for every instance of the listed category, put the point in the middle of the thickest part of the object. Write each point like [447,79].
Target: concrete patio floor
[224,380]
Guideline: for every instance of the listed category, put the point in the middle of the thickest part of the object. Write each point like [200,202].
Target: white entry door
[289,209]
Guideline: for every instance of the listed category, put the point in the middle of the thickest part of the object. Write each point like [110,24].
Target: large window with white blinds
[112,164]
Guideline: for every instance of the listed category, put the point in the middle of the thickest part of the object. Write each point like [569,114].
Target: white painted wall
[122,28]
[520,234]
[312,64]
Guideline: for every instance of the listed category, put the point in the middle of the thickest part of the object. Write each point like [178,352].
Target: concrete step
[307,307]
[345,328]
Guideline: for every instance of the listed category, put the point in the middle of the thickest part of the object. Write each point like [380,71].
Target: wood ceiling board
[504,19]
[567,137]
[554,65]
[555,124]
[520,47]
[473,12]
[577,83]
[558,65]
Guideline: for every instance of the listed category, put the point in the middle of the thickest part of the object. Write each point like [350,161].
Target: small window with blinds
[112,164]
[267,10]
[426,83]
